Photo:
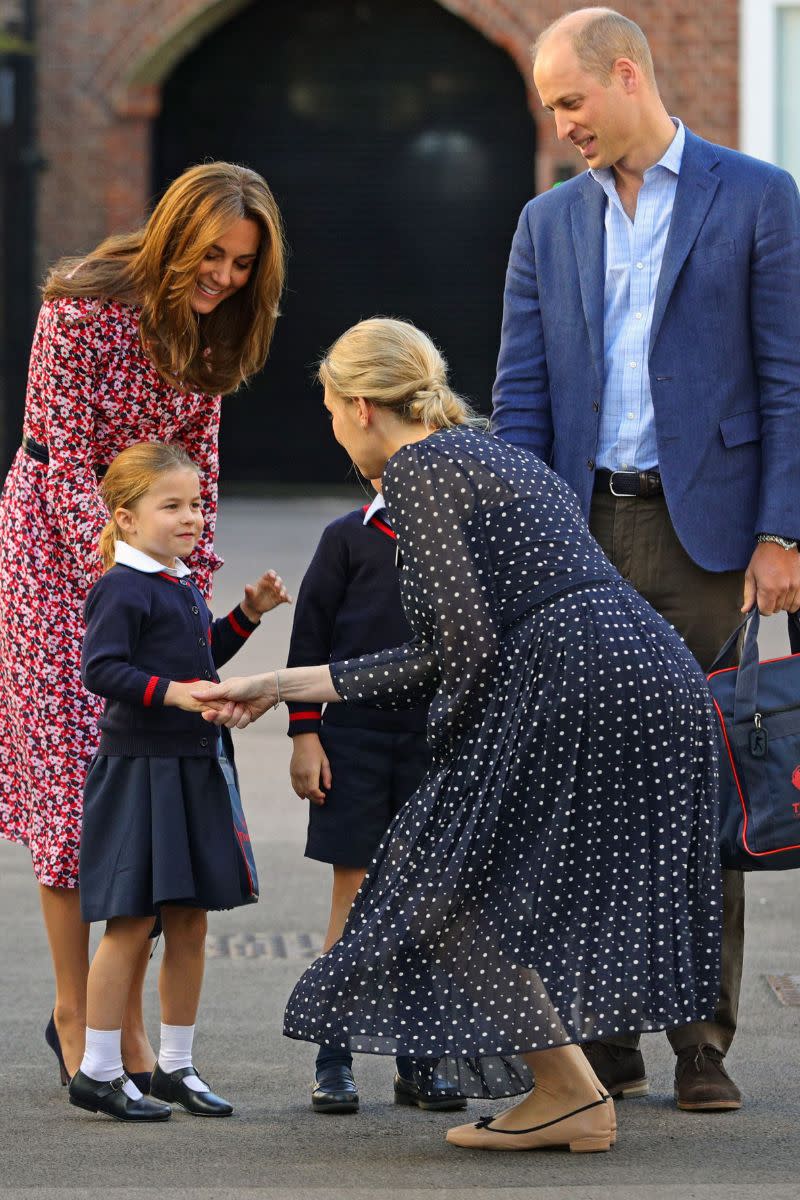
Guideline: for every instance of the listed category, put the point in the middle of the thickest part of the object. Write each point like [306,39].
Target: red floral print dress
[92,391]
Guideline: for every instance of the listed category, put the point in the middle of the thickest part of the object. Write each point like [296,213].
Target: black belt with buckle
[40,453]
[641,484]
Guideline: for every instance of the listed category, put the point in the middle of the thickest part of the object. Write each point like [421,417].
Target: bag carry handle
[746,696]
[724,655]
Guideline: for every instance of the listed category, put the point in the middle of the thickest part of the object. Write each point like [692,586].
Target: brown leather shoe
[701,1082]
[619,1068]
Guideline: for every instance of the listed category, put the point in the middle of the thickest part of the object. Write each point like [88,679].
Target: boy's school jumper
[162,819]
[349,604]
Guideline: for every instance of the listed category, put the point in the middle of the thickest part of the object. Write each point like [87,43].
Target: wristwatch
[786,543]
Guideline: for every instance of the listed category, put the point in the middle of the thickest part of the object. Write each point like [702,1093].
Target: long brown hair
[132,473]
[156,267]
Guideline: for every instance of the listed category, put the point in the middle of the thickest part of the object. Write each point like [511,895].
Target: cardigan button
[203,741]
[195,609]
[201,641]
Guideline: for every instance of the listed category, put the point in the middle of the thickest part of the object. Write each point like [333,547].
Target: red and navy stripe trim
[380,525]
[237,628]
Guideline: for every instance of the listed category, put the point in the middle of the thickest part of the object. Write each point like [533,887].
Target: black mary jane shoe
[54,1042]
[424,1089]
[334,1090]
[172,1088]
[109,1098]
[141,1079]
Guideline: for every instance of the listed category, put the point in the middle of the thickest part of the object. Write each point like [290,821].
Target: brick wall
[101,63]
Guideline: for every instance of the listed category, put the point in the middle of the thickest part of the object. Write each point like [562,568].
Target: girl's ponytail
[105,545]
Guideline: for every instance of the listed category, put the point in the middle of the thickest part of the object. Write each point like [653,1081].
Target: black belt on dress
[40,453]
[641,484]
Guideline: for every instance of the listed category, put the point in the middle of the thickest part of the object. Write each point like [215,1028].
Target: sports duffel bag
[758,706]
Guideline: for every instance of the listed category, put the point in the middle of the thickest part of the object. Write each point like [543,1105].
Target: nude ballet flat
[612,1113]
[584,1130]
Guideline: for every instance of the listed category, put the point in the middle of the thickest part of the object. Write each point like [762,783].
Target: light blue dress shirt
[634,252]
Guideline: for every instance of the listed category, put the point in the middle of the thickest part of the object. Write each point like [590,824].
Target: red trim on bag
[148,691]
[752,853]
[245,633]
[306,716]
[762,662]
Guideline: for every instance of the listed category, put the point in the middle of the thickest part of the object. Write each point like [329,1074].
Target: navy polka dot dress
[556,876]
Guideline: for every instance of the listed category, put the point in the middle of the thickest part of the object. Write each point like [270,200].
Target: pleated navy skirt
[163,831]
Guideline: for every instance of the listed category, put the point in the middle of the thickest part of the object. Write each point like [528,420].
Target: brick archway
[101,65]
[98,102]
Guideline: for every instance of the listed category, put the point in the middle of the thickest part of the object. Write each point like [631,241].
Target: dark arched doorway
[399,145]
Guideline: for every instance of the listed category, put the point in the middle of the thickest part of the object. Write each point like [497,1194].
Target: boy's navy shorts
[374,773]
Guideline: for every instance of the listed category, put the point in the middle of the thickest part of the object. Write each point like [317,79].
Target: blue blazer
[724,354]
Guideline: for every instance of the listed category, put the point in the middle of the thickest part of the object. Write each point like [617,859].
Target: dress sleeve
[200,439]
[448,593]
[68,377]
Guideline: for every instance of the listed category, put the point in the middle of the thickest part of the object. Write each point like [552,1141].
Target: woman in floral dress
[134,342]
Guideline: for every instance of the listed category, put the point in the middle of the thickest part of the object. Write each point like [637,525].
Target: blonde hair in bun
[394,365]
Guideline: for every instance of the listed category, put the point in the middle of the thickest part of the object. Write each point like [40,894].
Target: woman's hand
[236,702]
[309,770]
[266,593]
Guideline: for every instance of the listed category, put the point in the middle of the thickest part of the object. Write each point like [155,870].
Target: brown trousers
[638,537]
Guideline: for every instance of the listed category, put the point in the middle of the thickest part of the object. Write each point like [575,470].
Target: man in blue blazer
[651,354]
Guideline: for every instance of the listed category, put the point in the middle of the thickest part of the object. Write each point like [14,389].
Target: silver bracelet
[278,687]
[786,543]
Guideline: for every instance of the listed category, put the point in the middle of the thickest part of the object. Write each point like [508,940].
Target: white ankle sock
[102,1059]
[176,1052]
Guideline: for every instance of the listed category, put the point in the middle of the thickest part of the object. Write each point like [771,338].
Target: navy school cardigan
[349,604]
[142,632]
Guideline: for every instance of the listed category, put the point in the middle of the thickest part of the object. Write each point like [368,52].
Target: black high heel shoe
[54,1042]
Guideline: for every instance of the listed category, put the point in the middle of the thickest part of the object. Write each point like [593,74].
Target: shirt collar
[129,556]
[378,504]
[671,159]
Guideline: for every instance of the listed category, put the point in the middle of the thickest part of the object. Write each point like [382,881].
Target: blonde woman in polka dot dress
[555,879]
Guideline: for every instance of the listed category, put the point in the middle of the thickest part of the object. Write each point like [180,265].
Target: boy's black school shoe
[172,1088]
[423,1090]
[334,1090]
[109,1098]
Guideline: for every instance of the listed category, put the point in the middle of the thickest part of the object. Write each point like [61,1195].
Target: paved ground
[274,1146]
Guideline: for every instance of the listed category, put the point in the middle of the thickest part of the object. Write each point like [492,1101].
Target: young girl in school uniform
[163,831]
[356,765]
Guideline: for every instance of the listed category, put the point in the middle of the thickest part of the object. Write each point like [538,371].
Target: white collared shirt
[129,556]
[378,505]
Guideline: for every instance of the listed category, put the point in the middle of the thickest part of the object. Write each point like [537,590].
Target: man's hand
[772,580]
[309,770]
[266,593]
